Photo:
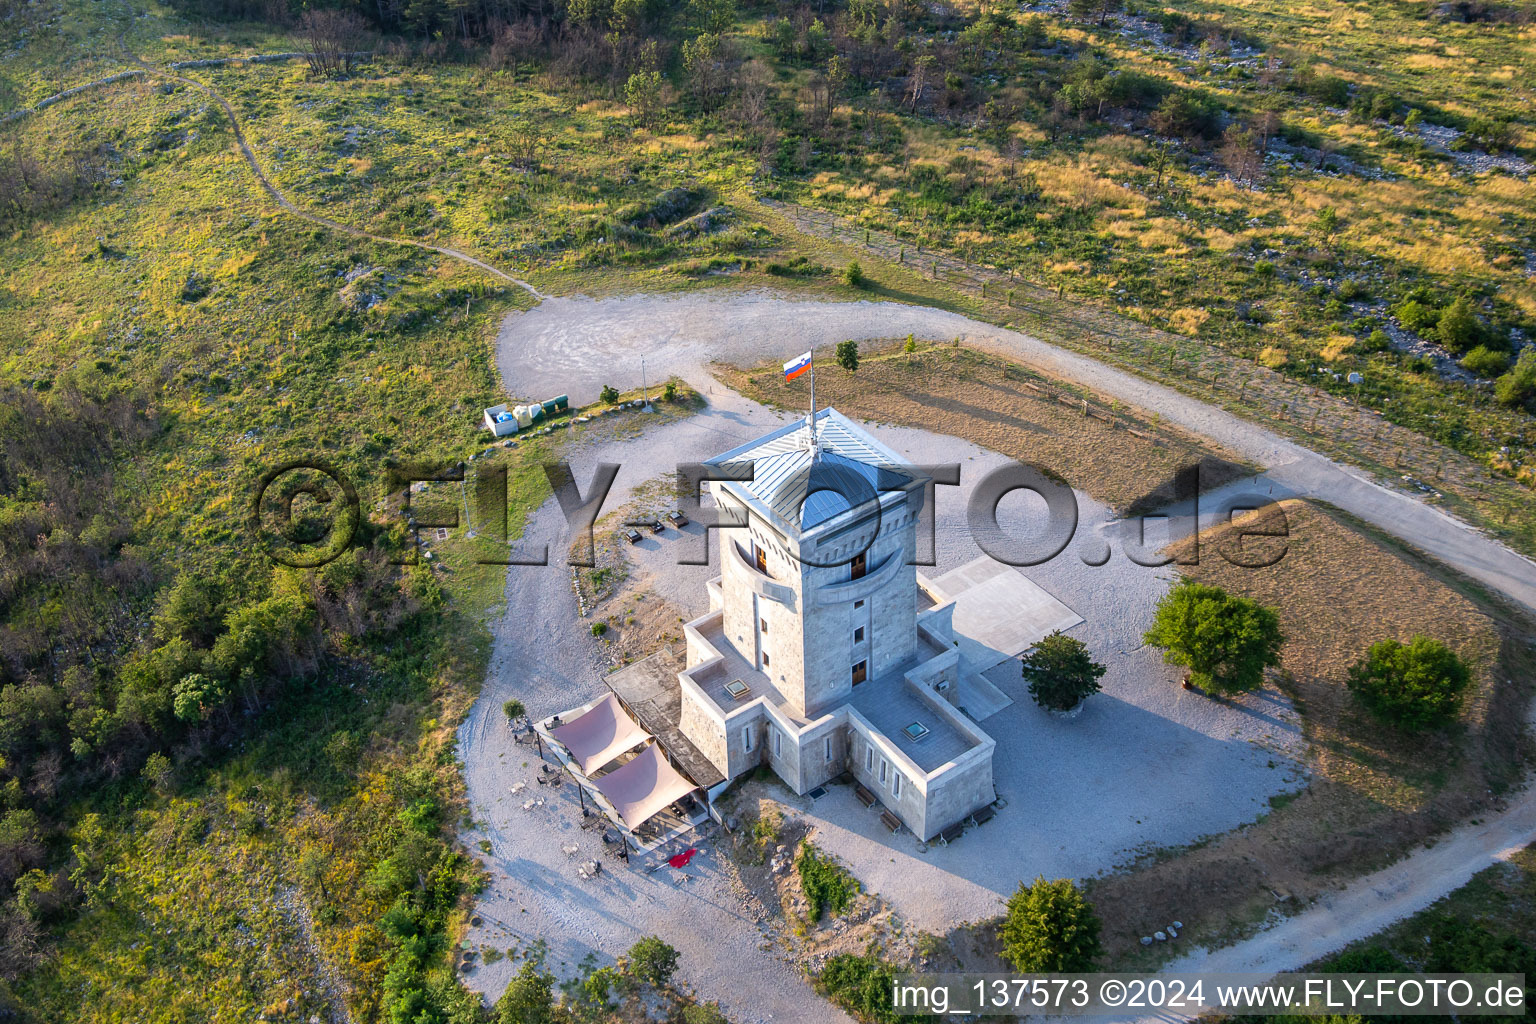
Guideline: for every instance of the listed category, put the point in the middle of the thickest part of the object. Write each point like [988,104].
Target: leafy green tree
[1519,384]
[514,709]
[1060,673]
[157,770]
[1458,327]
[1097,11]
[1225,641]
[195,695]
[712,15]
[848,355]
[853,275]
[642,94]
[652,961]
[529,999]
[1050,926]
[1415,686]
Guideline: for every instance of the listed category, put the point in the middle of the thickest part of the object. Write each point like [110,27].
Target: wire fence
[1324,422]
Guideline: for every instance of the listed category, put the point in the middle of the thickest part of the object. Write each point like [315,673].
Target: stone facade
[813,651]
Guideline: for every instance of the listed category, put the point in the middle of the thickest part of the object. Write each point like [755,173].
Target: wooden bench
[865,796]
[890,821]
[985,815]
[952,833]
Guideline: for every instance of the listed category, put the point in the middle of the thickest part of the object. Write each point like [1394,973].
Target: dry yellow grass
[987,400]
[1373,791]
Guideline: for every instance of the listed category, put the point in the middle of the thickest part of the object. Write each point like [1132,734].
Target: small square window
[762,625]
[765,659]
[858,635]
[858,604]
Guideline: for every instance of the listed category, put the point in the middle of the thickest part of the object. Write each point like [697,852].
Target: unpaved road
[576,345]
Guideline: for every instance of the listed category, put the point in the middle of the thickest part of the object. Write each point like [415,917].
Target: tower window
[858,635]
[896,784]
[765,659]
[761,558]
[762,624]
[869,759]
[829,748]
[747,739]
[860,671]
[884,768]
[858,604]
[857,568]
[778,743]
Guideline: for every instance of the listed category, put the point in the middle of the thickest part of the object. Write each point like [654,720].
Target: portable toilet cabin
[557,405]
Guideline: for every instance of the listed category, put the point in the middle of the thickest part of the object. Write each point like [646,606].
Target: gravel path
[576,345]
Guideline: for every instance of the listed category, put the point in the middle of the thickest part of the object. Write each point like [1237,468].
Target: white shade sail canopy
[644,786]
[600,735]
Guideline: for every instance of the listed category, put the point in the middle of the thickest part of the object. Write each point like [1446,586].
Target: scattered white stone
[1146,940]
[1160,936]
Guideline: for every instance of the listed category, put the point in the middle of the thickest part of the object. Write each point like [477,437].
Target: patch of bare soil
[1100,446]
[768,838]
[1374,792]
[624,615]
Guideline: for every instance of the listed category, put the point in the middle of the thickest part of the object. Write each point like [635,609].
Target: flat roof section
[650,691]
[891,708]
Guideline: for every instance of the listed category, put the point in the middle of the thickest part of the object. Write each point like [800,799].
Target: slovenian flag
[796,366]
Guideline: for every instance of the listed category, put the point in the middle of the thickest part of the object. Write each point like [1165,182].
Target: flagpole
[813,401]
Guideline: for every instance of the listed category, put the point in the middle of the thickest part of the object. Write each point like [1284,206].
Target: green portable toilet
[554,405]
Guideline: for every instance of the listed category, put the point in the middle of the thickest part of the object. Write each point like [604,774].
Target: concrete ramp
[999,612]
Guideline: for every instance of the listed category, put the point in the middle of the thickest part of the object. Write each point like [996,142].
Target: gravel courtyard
[1146,764]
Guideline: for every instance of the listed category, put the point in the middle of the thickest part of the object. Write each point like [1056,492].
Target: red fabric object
[681,860]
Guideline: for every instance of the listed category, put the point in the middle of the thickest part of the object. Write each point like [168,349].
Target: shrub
[1485,362]
[609,395]
[848,355]
[599,628]
[704,1013]
[853,275]
[529,998]
[652,961]
[1059,672]
[1225,641]
[860,984]
[1414,686]
[1458,327]
[1416,315]
[827,885]
[1050,926]
[514,709]
[669,391]
[1378,341]
[1519,384]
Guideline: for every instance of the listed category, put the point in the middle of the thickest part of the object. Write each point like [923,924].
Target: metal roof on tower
[801,488]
